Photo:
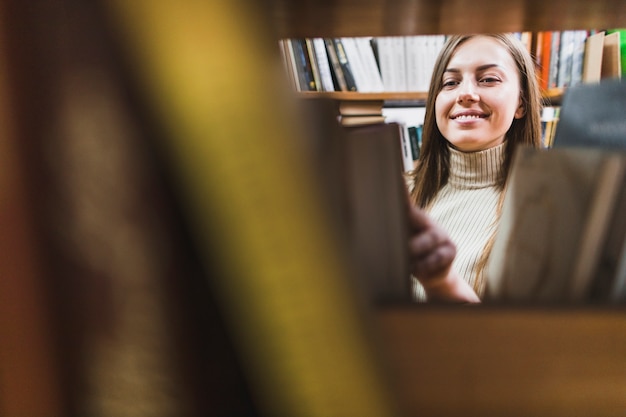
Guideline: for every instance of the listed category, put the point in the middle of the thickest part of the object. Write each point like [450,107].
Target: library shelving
[488,360]
[123,294]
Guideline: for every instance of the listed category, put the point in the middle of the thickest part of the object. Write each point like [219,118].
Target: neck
[476,169]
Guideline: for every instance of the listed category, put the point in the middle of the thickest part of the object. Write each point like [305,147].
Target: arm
[431,255]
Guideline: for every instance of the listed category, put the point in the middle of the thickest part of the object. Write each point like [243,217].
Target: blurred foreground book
[165,270]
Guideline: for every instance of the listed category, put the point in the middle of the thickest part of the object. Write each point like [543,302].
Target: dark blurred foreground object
[131,324]
[167,253]
[562,236]
[593,115]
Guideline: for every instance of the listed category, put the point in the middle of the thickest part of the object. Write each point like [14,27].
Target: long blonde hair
[432,171]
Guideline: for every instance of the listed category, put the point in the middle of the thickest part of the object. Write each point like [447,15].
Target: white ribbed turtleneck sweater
[466,208]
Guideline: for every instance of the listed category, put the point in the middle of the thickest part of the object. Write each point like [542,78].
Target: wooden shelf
[308,18]
[484,361]
[506,361]
[552,96]
[356,96]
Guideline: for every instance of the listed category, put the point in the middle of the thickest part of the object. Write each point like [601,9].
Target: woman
[484,102]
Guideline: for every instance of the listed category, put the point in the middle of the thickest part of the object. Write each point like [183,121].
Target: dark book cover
[415,133]
[593,115]
[345,65]
[304,66]
[337,73]
[131,320]
[378,203]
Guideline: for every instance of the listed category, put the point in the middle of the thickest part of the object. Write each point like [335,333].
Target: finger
[418,219]
[427,241]
[434,262]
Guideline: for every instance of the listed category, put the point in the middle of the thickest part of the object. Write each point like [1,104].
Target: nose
[467,92]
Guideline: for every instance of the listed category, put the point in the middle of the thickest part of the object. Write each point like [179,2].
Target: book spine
[323,64]
[414,58]
[308,44]
[345,65]
[554,59]
[372,73]
[435,46]
[578,57]
[546,56]
[565,59]
[592,60]
[305,70]
[405,141]
[392,58]
[298,65]
[290,63]
[339,77]
[356,64]
[414,138]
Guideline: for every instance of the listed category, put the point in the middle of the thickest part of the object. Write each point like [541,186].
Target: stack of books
[361,112]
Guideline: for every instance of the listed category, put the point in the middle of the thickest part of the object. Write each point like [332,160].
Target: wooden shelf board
[553,96]
[308,18]
[481,361]
[356,96]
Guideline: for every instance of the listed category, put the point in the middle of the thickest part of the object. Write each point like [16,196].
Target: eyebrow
[479,68]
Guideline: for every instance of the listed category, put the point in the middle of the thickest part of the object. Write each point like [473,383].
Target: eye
[489,79]
[449,83]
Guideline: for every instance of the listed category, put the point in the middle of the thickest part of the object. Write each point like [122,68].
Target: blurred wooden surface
[307,18]
[497,361]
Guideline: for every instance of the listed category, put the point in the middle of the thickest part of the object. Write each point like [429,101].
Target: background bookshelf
[400,67]
[395,71]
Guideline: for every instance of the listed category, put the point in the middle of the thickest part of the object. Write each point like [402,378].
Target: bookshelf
[488,360]
[62,83]
[309,18]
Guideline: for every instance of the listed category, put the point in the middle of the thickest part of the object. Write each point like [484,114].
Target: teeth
[468,116]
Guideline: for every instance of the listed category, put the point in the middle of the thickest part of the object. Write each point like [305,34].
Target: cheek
[441,109]
[508,103]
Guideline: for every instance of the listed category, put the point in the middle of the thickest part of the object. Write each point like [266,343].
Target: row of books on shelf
[570,57]
[363,64]
[549,121]
[405,63]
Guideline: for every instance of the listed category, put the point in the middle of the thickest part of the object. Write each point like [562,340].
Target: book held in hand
[559,237]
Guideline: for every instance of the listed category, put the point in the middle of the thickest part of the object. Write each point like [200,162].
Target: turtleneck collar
[479,169]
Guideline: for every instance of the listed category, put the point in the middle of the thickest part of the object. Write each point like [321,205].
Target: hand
[430,248]
[431,253]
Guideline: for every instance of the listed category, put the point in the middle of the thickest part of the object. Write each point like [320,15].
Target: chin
[469,145]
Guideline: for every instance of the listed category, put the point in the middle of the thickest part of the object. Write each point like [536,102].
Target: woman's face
[480,96]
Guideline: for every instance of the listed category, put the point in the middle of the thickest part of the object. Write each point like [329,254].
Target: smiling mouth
[468,116]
